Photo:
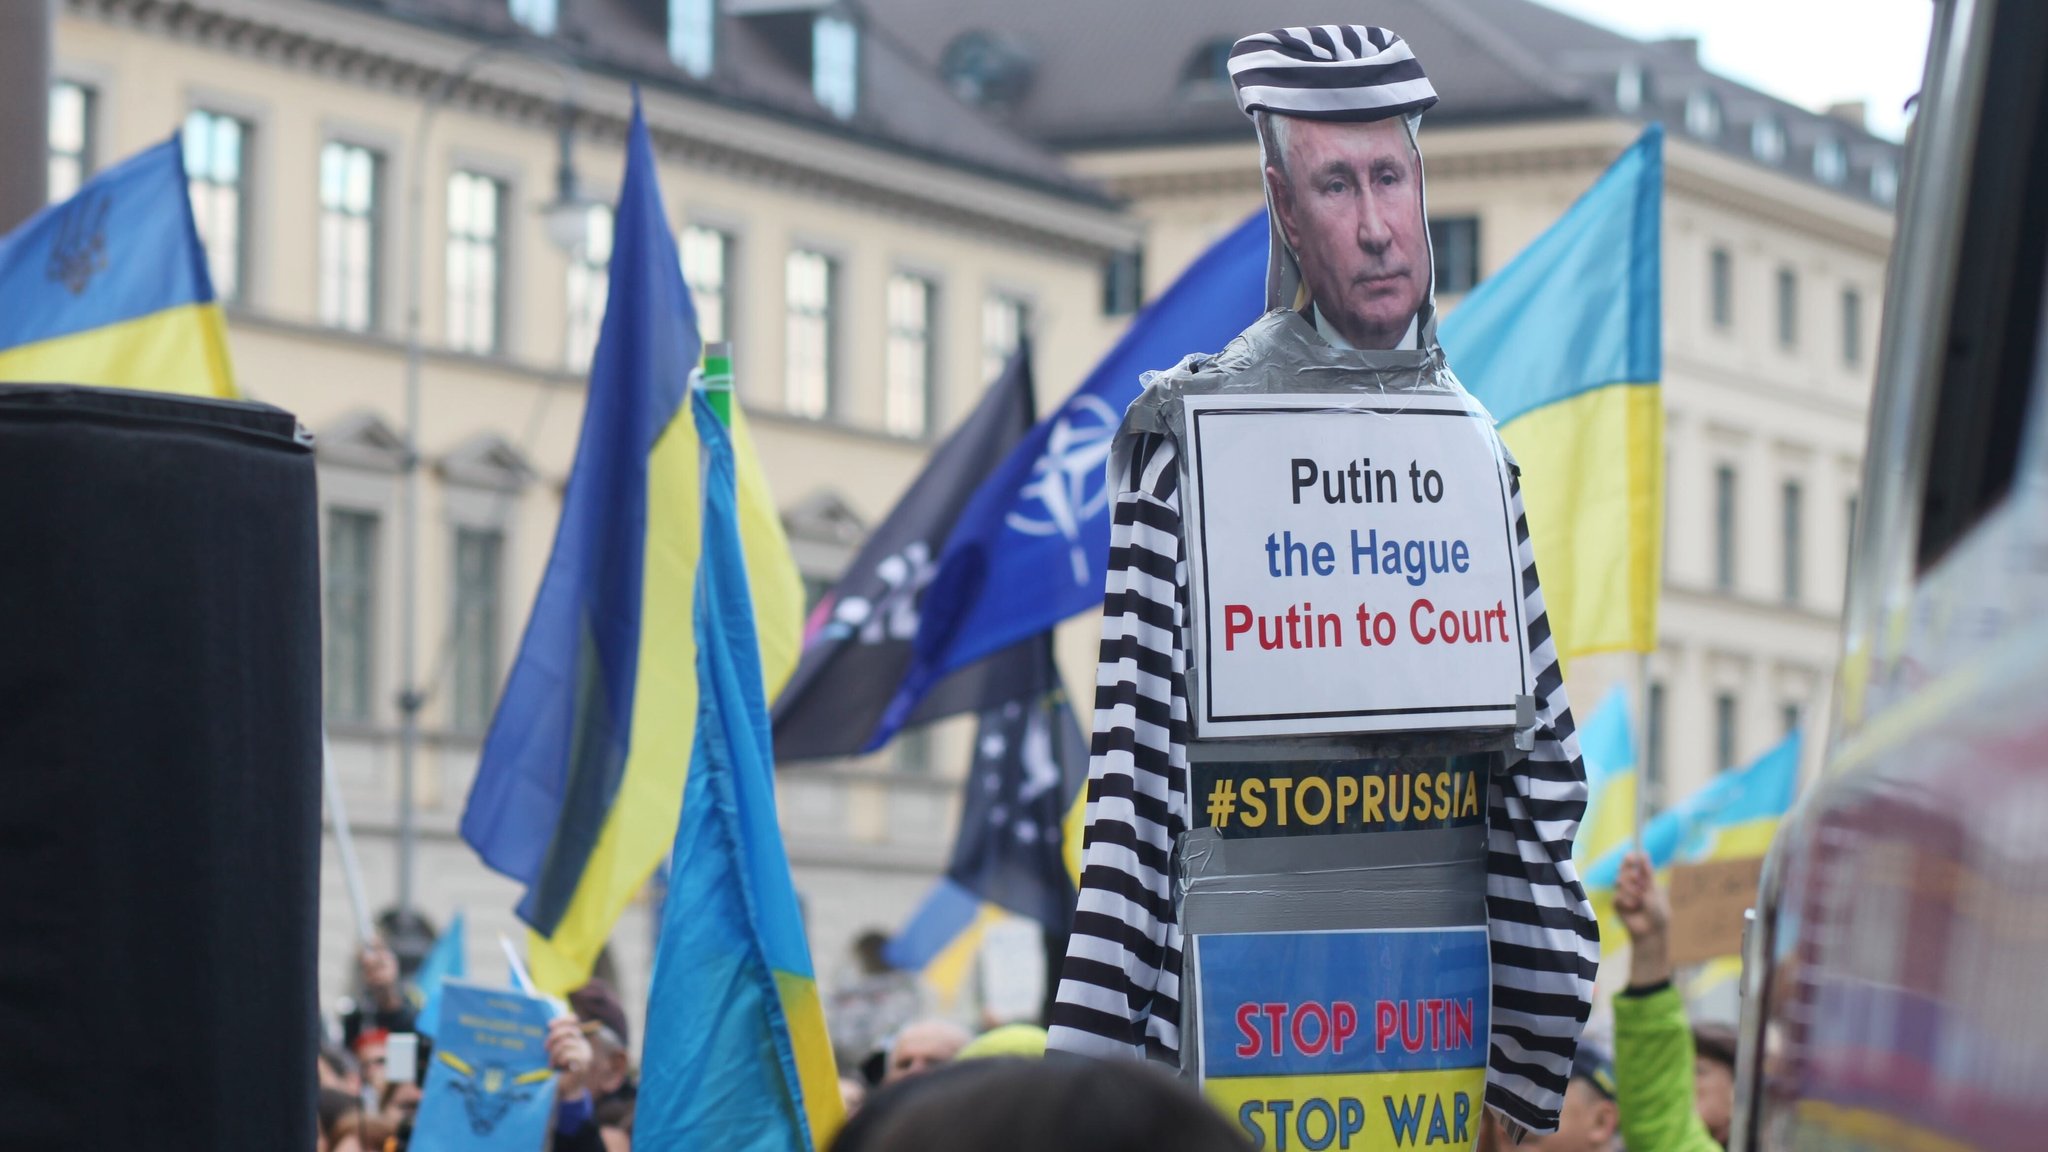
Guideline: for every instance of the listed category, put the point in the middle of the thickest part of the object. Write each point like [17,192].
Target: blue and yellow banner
[1346,1039]
[737,1057]
[1565,347]
[110,287]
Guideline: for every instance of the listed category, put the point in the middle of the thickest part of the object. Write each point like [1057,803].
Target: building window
[1788,308]
[1455,243]
[1884,182]
[707,258]
[1724,528]
[1791,518]
[906,408]
[1721,287]
[692,33]
[1767,139]
[807,379]
[351,613]
[1724,731]
[479,559]
[536,16]
[835,65]
[1849,526]
[1703,115]
[475,261]
[1123,283]
[1852,327]
[71,109]
[589,286]
[216,180]
[1004,321]
[1830,160]
[1653,747]
[1789,714]
[1631,88]
[350,240]
[914,751]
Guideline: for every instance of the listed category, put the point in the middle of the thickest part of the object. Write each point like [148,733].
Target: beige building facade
[816,231]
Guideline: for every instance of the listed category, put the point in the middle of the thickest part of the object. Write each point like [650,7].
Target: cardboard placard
[1353,566]
[1708,901]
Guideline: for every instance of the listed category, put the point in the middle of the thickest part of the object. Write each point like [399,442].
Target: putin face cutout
[1349,198]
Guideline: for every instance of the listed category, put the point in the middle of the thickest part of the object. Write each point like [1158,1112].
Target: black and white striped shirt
[1119,992]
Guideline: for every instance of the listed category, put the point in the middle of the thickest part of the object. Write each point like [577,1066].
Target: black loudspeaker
[159,772]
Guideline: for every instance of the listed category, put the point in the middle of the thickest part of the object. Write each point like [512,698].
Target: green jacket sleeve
[1653,1060]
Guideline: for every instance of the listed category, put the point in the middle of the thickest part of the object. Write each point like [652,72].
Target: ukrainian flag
[1564,347]
[737,1057]
[1607,742]
[110,287]
[581,779]
[1734,816]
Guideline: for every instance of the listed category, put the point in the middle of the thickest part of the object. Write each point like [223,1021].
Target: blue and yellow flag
[1607,741]
[1565,347]
[110,287]
[737,1057]
[1733,816]
[582,772]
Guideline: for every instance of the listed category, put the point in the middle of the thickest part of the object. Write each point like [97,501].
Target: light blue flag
[737,1058]
[444,963]
[1607,742]
[1032,547]
[1733,815]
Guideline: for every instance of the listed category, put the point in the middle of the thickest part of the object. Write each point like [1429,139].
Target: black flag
[858,642]
[1030,761]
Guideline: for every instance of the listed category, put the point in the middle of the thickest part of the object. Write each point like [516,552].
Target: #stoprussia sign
[1353,566]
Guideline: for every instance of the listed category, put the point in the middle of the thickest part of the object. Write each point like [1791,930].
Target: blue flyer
[489,1087]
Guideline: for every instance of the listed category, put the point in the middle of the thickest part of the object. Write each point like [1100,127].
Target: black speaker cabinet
[159,772]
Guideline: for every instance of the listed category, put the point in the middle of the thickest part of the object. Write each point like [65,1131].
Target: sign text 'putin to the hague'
[1353,565]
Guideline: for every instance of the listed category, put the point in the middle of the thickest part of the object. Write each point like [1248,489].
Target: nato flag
[1032,547]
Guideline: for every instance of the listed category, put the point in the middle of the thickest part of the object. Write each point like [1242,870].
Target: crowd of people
[1664,1085]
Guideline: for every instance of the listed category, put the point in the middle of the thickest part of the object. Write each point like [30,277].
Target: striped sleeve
[1119,991]
[1546,943]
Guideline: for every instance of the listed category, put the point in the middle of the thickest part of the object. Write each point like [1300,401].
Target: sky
[1810,52]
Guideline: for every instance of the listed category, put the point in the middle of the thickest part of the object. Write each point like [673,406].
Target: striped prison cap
[1329,72]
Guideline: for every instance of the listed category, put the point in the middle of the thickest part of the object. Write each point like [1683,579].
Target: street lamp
[564,218]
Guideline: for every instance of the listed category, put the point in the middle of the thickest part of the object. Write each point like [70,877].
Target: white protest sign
[1353,566]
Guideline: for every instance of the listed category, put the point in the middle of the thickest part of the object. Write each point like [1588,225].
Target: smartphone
[402,1058]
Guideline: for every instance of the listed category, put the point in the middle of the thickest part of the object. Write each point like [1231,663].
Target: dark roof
[1108,73]
[759,65]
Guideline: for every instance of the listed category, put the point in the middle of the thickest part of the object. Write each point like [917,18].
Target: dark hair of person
[339,1060]
[333,1107]
[1715,1042]
[1059,1104]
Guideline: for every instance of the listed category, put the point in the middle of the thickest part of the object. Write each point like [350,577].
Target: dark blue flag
[1031,548]
[1030,761]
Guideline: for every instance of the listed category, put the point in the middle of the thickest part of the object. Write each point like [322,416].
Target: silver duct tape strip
[1434,878]
[1455,742]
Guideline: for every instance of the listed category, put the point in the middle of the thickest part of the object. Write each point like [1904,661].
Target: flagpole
[1642,748]
[345,845]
